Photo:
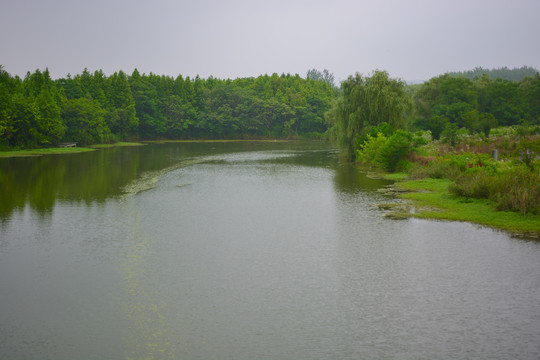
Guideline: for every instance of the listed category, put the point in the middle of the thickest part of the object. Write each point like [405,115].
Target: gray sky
[412,40]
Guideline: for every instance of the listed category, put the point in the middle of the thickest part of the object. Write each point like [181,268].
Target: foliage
[30,112]
[515,131]
[369,101]
[84,121]
[519,191]
[478,104]
[514,189]
[504,73]
[38,112]
[325,75]
[435,169]
[528,152]
[369,150]
[512,184]
[450,134]
[388,152]
[395,150]
[92,107]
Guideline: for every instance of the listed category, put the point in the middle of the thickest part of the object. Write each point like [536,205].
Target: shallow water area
[246,251]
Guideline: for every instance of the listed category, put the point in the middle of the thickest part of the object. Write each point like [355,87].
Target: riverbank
[72,150]
[60,150]
[431,199]
[215,141]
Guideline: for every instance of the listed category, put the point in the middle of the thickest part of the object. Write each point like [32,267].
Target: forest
[446,106]
[448,128]
[91,108]
[503,73]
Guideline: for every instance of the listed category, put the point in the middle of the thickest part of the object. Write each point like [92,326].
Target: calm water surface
[246,251]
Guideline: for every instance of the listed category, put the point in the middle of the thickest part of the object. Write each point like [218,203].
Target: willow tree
[367,101]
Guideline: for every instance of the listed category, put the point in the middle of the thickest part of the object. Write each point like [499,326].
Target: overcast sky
[412,40]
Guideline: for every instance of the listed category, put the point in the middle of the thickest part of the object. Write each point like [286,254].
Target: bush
[368,151]
[475,183]
[528,152]
[395,150]
[515,189]
[389,153]
[444,169]
[519,190]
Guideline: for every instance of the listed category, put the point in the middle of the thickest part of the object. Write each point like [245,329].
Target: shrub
[528,152]
[389,153]
[395,150]
[444,169]
[515,189]
[474,183]
[368,151]
[519,190]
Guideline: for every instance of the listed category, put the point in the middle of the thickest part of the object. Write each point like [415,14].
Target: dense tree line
[515,74]
[447,102]
[92,108]
[369,105]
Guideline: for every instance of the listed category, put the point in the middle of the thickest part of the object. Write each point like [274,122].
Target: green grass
[400,176]
[60,150]
[118,144]
[213,141]
[44,151]
[436,202]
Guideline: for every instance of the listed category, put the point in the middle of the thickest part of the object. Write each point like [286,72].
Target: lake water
[246,251]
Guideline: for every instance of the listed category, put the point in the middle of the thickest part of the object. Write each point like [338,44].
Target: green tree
[368,101]
[530,87]
[50,124]
[486,122]
[450,134]
[436,124]
[122,120]
[506,102]
[34,112]
[85,122]
[471,121]
[24,121]
[71,87]
[446,95]
[325,75]
[145,97]
[179,116]
[40,102]
[8,88]
[504,73]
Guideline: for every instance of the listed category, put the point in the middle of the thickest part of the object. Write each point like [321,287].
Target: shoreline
[60,150]
[74,150]
[430,199]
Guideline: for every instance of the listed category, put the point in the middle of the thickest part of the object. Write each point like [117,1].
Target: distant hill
[505,73]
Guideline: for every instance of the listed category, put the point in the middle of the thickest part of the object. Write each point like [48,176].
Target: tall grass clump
[514,189]
[449,166]
[519,190]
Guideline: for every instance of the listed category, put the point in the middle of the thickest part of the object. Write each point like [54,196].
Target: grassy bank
[431,199]
[44,151]
[214,141]
[118,144]
[60,150]
[71,150]
[464,181]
